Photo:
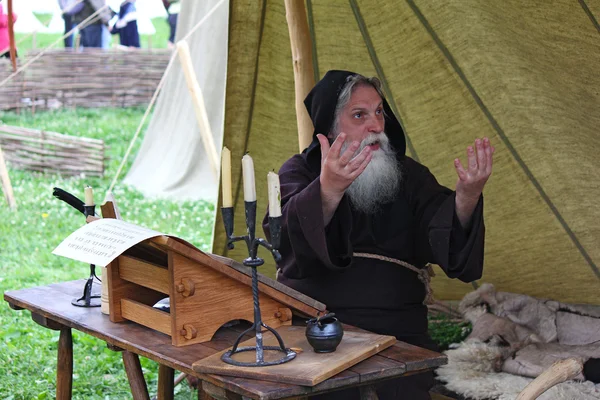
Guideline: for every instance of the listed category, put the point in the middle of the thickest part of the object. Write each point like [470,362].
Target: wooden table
[51,307]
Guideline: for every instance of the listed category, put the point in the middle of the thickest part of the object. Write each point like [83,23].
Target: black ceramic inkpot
[324,333]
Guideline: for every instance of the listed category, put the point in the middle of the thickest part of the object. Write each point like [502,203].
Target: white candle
[226,177]
[248,171]
[89,196]
[274,195]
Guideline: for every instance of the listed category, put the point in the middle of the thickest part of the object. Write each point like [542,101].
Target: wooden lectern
[204,291]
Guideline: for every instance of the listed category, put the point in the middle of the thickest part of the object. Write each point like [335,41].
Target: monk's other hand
[339,170]
[472,179]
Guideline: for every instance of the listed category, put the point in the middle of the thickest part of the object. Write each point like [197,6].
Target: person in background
[92,32]
[126,25]
[173,7]
[4,40]
[69,8]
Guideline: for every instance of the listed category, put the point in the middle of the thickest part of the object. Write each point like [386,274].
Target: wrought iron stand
[253,261]
[87,299]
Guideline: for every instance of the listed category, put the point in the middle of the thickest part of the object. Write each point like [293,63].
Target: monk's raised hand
[339,170]
[472,179]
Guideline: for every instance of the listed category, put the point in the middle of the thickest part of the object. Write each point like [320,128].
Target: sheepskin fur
[471,372]
[520,334]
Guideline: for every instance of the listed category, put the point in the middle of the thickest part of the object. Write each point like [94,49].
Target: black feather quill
[69,199]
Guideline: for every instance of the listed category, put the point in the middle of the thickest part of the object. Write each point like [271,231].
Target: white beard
[378,184]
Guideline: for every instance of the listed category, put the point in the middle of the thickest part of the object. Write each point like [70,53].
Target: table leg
[133,368]
[368,392]
[64,368]
[166,383]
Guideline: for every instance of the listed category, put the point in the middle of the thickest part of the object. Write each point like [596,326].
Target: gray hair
[352,82]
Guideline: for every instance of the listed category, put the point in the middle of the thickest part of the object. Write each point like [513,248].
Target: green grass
[28,236]
[445,332]
[26,41]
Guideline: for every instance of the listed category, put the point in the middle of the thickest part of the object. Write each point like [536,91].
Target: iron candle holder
[252,242]
[87,299]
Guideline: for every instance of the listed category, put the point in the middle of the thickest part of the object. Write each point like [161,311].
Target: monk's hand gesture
[339,170]
[472,179]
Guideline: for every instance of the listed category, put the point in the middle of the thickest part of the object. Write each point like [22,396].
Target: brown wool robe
[419,227]
[372,294]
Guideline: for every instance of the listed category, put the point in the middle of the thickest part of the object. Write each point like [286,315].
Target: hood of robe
[321,103]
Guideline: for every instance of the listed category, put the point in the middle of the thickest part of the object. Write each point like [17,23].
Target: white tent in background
[172,161]
[27,22]
[151,9]
[38,6]
[145,26]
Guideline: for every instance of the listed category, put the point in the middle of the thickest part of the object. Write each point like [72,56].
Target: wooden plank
[119,289]
[416,358]
[309,368]
[144,274]
[146,315]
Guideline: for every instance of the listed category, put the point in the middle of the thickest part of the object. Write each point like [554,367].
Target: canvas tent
[522,73]
[172,161]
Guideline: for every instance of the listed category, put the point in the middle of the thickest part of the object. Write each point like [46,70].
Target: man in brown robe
[353,204]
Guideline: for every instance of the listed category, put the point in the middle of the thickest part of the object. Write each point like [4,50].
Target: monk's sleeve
[441,239]
[308,248]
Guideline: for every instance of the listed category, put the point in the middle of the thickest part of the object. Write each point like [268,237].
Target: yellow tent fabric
[524,74]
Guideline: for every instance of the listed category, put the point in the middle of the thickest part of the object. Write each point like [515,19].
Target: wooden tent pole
[304,77]
[6,186]
[11,36]
[183,51]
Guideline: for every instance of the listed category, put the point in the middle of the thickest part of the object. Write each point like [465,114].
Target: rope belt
[424,274]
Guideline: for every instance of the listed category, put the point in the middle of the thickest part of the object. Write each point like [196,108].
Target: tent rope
[28,63]
[155,96]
